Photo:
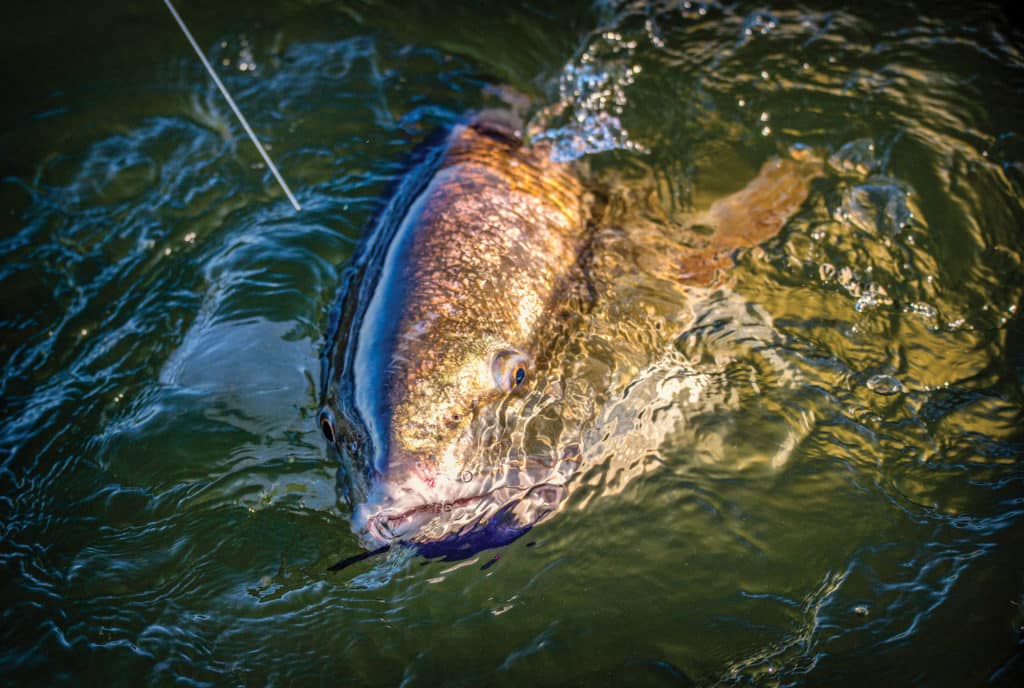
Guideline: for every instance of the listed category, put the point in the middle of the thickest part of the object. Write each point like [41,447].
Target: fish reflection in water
[503,326]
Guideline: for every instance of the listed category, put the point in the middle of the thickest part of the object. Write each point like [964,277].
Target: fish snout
[384,529]
[396,505]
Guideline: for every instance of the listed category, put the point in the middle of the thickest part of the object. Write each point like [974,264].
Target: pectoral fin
[759,210]
[750,216]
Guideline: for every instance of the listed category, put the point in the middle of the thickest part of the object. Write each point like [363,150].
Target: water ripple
[815,476]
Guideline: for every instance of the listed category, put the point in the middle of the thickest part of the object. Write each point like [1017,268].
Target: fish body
[443,316]
[440,389]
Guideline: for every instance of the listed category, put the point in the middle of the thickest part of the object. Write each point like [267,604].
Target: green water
[846,509]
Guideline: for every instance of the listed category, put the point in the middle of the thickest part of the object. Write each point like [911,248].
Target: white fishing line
[231,102]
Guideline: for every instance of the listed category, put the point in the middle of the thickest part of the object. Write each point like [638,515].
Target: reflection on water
[816,479]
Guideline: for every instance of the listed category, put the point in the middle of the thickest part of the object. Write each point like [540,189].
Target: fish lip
[388,527]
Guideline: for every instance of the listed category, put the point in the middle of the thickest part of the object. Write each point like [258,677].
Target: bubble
[849,281]
[873,297]
[925,310]
[876,207]
[857,156]
[759,24]
[592,95]
[886,385]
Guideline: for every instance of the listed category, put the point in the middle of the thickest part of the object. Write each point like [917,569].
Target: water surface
[840,501]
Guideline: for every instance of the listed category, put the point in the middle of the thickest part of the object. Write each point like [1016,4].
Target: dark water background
[850,512]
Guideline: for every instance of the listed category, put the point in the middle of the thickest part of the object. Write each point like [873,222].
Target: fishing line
[231,102]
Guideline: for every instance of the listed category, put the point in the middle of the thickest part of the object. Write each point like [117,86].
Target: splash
[591,99]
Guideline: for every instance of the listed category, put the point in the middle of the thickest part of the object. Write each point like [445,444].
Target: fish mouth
[461,527]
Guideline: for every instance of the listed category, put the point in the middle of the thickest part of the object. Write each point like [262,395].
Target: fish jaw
[454,516]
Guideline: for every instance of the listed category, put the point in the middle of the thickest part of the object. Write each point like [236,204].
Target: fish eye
[509,369]
[327,426]
[519,375]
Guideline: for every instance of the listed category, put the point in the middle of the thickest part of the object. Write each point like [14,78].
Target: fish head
[435,467]
[454,479]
